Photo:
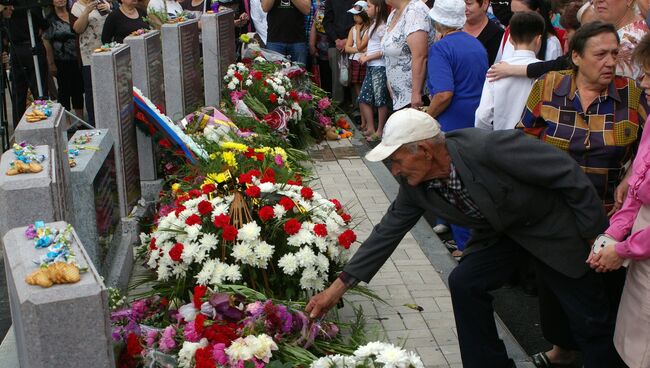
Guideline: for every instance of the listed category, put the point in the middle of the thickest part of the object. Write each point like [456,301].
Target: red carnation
[294,95]
[164,143]
[256,74]
[199,320]
[256,173]
[178,210]
[259,156]
[273,98]
[320,230]
[337,204]
[176,252]
[194,193]
[152,244]
[347,238]
[204,358]
[346,217]
[266,213]
[287,203]
[239,76]
[193,220]
[199,292]
[221,220]
[208,188]
[205,207]
[229,233]
[253,192]
[292,226]
[133,347]
[306,193]
[245,179]
[249,153]
[268,172]
[268,179]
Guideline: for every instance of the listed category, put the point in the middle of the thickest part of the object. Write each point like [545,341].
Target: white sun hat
[450,13]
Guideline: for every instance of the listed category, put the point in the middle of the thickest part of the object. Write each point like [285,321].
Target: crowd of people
[574,75]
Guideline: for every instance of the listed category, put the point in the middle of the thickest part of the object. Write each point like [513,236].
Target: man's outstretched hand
[322,302]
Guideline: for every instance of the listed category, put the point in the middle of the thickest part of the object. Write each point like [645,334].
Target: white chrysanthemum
[220,209]
[205,275]
[249,232]
[189,251]
[261,346]
[239,350]
[242,252]
[288,263]
[332,225]
[231,72]
[414,360]
[193,232]
[324,362]
[249,82]
[193,203]
[306,257]
[321,243]
[370,349]
[218,273]
[264,252]
[304,236]
[344,361]
[393,357]
[333,251]
[232,273]
[232,86]
[266,187]
[187,352]
[279,211]
[209,241]
[322,263]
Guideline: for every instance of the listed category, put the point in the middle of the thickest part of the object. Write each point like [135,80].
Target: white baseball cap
[404,126]
[450,13]
[358,7]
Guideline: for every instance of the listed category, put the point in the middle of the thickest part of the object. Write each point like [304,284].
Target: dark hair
[641,53]
[381,16]
[583,34]
[525,26]
[559,6]
[364,17]
[569,19]
[543,8]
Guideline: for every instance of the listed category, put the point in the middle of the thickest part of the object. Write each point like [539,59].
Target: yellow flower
[280,151]
[229,159]
[234,146]
[176,187]
[218,178]
[213,156]
[263,150]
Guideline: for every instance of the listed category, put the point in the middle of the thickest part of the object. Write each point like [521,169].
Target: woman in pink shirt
[630,227]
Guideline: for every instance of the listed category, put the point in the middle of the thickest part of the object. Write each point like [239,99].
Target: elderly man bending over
[493,183]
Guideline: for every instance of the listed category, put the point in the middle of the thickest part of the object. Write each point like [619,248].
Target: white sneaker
[440,229]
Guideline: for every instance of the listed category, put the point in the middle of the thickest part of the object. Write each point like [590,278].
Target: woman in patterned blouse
[597,118]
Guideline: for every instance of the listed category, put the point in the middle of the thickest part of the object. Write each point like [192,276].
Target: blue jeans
[297,51]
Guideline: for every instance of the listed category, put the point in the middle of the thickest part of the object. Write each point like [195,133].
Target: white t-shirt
[374,44]
[172,7]
[91,38]
[503,101]
[258,16]
[553,49]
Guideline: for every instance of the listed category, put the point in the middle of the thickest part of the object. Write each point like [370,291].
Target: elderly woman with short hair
[597,118]
[630,231]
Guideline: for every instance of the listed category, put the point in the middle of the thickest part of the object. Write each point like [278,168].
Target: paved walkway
[407,278]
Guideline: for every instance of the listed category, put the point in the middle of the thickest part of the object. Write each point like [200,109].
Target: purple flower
[329,330]
[167,342]
[30,233]
[139,308]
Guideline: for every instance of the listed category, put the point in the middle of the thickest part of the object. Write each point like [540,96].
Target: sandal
[541,360]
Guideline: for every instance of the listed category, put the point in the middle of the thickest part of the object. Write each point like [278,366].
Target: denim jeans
[297,51]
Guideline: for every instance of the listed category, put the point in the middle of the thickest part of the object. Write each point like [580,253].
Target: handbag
[344,70]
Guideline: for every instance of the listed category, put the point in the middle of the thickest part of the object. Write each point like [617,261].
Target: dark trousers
[71,86]
[88,94]
[584,301]
[23,77]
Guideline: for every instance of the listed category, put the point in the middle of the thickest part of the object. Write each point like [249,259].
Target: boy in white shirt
[503,101]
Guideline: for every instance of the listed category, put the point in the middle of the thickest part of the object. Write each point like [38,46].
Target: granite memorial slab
[96,195]
[182,68]
[218,32]
[65,325]
[52,132]
[147,68]
[25,198]
[113,98]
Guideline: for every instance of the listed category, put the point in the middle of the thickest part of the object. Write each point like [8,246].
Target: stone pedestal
[61,326]
[113,97]
[25,198]
[181,66]
[218,32]
[146,62]
[52,132]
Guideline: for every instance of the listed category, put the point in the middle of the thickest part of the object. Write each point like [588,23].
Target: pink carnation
[167,342]
[324,103]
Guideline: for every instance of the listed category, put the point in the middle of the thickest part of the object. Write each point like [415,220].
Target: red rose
[221,221]
[152,244]
[320,230]
[307,193]
[346,217]
[287,203]
[199,292]
[193,220]
[347,238]
[266,213]
[292,226]
[337,204]
[229,233]
[245,179]
[273,98]
[133,347]
[205,207]
[194,193]
[176,252]
[253,192]
[208,188]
